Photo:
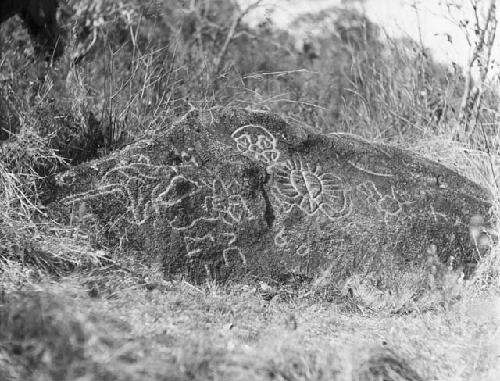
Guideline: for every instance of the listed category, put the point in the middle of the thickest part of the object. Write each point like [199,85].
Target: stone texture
[245,193]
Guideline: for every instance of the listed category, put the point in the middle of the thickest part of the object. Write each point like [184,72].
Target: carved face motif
[257,142]
[311,189]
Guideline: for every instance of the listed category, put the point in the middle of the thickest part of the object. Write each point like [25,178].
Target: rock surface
[246,193]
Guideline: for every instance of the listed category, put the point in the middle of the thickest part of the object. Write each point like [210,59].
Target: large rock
[245,193]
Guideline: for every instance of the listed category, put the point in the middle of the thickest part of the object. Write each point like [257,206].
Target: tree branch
[219,60]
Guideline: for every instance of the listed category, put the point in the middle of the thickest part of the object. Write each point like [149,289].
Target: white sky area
[431,20]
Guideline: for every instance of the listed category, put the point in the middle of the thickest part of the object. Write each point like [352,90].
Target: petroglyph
[437,215]
[370,172]
[207,235]
[286,240]
[227,204]
[303,250]
[311,190]
[128,179]
[257,142]
[390,205]
[279,239]
[178,189]
[188,157]
[227,209]
[135,181]
[214,228]
[232,248]
[249,195]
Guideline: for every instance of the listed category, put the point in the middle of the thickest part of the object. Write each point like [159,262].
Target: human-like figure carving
[311,189]
[257,142]
[39,16]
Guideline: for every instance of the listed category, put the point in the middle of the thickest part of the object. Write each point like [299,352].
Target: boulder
[244,193]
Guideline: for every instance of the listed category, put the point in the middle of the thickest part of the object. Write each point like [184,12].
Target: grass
[108,325]
[67,312]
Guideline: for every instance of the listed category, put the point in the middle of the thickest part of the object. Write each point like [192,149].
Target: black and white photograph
[249,190]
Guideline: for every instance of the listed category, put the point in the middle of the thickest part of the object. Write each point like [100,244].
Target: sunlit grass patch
[184,332]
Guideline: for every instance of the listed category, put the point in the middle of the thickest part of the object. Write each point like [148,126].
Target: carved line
[189,241]
[140,204]
[231,247]
[436,215]
[368,171]
[257,142]
[303,250]
[295,185]
[378,199]
[162,199]
[192,243]
[279,239]
[223,207]
[311,190]
[227,203]
[227,207]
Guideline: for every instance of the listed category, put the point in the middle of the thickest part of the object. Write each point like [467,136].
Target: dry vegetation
[70,312]
[110,326]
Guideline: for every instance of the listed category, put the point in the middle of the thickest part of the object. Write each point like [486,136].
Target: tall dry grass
[132,67]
